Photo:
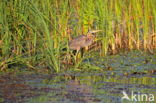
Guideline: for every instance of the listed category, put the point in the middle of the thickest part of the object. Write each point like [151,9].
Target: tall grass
[34,32]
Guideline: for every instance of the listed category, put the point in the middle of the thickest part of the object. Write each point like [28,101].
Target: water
[129,72]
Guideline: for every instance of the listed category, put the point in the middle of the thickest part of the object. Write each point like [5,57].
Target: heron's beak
[95,31]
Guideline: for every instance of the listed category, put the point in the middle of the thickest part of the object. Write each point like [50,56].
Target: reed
[36,31]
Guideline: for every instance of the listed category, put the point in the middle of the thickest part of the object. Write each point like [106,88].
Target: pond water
[133,73]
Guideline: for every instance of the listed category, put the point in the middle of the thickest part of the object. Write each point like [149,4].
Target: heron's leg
[82,52]
[76,55]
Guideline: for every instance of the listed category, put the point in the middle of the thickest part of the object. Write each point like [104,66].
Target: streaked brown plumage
[82,41]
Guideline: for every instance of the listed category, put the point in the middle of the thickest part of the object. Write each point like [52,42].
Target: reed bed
[35,32]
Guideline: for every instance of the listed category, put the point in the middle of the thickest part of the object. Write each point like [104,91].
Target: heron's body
[82,41]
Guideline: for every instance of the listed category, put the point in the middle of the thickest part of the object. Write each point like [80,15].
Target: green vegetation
[35,32]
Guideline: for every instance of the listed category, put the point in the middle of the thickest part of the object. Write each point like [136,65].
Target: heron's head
[93,31]
[91,35]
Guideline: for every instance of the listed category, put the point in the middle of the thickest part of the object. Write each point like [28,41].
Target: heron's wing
[79,40]
[87,42]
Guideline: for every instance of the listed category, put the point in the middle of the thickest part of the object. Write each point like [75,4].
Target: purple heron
[82,41]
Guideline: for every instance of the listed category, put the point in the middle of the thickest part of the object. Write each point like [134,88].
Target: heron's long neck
[88,33]
[70,38]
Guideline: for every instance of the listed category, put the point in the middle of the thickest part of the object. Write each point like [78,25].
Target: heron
[82,41]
